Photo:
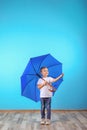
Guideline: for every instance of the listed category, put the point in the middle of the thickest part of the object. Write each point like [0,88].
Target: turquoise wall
[30,28]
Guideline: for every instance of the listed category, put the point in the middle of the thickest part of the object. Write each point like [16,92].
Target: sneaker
[48,122]
[42,121]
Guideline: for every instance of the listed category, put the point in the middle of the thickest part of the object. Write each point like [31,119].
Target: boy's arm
[55,79]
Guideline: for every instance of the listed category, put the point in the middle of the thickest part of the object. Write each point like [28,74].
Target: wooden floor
[61,120]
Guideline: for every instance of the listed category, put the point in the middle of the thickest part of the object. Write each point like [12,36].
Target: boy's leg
[48,106]
[42,108]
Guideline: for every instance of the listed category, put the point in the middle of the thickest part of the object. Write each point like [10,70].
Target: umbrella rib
[42,62]
[27,83]
[35,92]
[48,66]
[33,66]
[53,65]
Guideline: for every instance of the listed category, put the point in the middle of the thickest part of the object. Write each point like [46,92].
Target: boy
[44,84]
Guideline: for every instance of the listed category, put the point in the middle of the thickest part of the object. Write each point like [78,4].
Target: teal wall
[30,28]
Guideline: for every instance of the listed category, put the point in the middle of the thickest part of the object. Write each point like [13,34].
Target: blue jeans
[46,104]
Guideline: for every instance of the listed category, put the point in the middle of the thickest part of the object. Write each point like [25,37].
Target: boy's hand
[62,74]
[45,83]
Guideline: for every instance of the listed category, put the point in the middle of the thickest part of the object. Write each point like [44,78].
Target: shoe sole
[47,124]
[42,123]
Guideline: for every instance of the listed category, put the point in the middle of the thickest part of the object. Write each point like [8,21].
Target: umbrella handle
[53,89]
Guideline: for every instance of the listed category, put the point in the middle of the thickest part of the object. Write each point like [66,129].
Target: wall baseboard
[39,110]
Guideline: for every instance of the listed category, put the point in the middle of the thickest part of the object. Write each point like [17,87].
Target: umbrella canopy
[32,74]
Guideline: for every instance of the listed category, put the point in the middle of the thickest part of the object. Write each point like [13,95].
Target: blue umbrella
[32,74]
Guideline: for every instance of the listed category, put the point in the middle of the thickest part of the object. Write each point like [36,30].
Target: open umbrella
[32,74]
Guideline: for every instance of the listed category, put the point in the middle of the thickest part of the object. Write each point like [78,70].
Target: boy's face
[44,72]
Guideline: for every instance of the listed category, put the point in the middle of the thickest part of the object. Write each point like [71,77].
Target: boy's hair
[42,68]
